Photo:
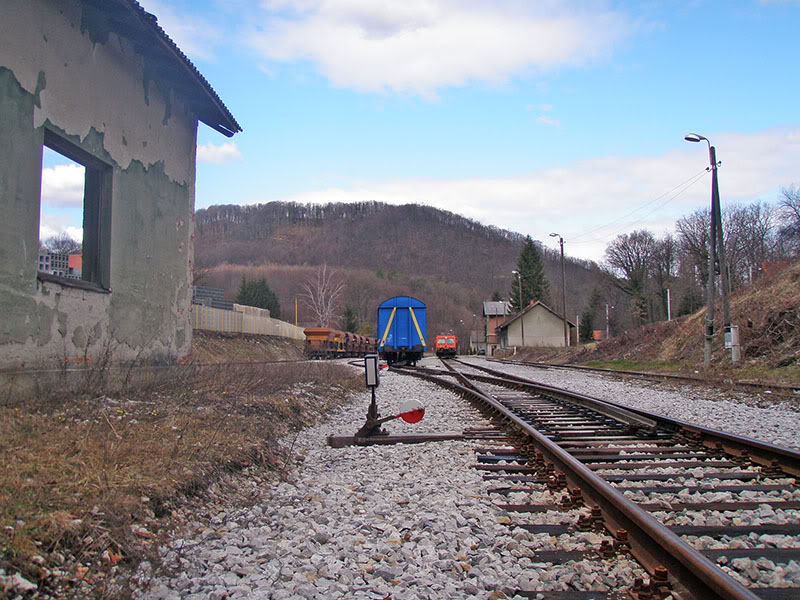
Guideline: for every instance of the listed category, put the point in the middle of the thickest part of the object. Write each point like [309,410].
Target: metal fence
[244,320]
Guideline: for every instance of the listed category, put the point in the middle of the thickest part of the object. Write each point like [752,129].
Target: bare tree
[62,244]
[693,234]
[664,268]
[631,255]
[321,295]
[789,232]
[749,239]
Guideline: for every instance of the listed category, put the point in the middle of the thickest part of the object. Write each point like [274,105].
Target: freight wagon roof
[402,302]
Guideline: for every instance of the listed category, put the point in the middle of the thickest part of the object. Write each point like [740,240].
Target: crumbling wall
[60,69]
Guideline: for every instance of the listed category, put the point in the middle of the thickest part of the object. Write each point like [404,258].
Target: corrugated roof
[127,18]
[496,308]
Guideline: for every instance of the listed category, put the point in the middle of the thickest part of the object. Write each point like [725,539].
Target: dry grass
[768,315]
[208,346]
[90,475]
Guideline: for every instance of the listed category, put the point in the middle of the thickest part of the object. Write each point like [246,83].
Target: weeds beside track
[94,461]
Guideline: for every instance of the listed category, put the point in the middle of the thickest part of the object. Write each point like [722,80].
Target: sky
[539,117]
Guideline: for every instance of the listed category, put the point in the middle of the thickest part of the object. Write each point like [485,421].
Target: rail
[652,543]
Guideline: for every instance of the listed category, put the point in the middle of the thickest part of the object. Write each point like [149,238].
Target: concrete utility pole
[669,307]
[563,290]
[716,253]
[521,319]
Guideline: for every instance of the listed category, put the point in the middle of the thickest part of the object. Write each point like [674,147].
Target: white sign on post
[371,371]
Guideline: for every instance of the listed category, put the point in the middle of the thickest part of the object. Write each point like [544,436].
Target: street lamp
[521,319]
[563,290]
[716,239]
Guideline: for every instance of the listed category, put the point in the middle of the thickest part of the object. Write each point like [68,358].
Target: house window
[75,223]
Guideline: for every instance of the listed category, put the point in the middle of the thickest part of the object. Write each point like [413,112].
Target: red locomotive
[445,346]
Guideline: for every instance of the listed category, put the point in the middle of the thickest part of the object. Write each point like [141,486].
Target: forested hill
[377,251]
[410,239]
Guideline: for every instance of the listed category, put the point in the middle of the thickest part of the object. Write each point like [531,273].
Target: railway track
[776,389]
[707,515]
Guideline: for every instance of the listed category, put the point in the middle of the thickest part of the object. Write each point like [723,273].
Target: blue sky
[539,117]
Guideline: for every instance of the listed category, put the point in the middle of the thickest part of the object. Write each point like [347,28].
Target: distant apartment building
[60,264]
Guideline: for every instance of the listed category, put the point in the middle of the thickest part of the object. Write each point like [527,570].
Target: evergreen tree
[531,272]
[590,315]
[587,325]
[256,292]
[349,319]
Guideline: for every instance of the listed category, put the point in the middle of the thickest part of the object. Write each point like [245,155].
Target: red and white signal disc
[412,411]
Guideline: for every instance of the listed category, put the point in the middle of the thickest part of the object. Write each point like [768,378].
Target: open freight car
[401,330]
[324,342]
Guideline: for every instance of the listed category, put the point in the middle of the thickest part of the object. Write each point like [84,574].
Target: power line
[682,187]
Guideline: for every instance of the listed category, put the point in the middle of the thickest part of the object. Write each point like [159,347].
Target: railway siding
[567,442]
[448,520]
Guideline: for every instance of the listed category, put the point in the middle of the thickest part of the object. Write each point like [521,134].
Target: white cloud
[593,201]
[62,185]
[195,36]
[223,153]
[421,45]
[53,225]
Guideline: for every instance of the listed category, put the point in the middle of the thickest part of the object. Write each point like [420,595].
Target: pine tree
[349,319]
[591,314]
[587,325]
[531,273]
[256,292]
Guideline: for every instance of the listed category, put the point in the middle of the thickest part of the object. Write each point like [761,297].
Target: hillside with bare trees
[371,251]
[375,251]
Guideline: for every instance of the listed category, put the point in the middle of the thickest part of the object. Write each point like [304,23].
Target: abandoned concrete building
[101,83]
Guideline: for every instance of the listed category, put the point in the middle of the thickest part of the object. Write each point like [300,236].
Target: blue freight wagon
[401,330]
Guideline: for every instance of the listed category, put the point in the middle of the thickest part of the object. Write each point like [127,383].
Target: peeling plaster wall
[59,69]
[542,328]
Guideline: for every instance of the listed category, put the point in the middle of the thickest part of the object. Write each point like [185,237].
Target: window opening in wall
[75,220]
[61,216]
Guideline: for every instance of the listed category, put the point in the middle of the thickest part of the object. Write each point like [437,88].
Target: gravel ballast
[409,521]
[734,412]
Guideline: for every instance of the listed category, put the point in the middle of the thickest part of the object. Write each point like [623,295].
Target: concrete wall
[244,321]
[61,70]
[542,328]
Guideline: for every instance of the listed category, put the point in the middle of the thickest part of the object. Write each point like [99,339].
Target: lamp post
[472,332]
[563,290]
[521,319]
[716,244]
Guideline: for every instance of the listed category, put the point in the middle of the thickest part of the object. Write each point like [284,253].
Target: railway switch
[411,411]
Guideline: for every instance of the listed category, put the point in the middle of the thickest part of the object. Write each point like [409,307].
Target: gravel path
[410,521]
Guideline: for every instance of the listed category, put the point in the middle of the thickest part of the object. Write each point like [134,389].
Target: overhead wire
[681,187]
